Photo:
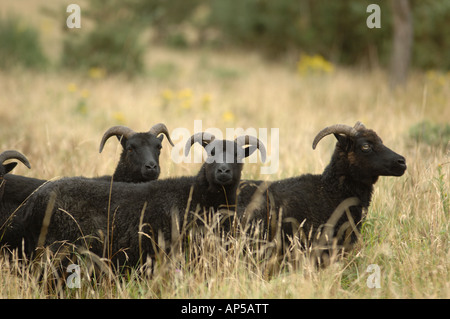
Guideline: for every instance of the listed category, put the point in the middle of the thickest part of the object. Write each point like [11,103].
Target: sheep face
[224,163]
[140,157]
[139,161]
[367,157]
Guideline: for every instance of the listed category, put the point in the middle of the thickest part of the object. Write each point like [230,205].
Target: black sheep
[124,222]
[12,194]
[6,168]
[309,205]
[139,160]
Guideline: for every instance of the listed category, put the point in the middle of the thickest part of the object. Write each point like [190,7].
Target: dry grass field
[57,119]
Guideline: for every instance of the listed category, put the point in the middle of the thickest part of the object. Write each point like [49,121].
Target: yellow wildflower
[119,117]
[72,87]
[185,98]
[185,94]
[97,73]
[84,93]
[167,95]
[228,116]
[206,100]
[314,64]
[186,104]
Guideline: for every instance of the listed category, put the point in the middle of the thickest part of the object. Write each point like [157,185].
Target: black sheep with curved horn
[6,168]
[139,160]
[308,203]
[12,194]
[137,215]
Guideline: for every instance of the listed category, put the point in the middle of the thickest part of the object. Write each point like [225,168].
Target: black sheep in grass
[124,222]
[6,168]
[12,194]
[309,205]
[139,162]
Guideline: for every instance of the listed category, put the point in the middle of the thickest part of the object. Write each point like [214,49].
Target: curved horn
[334,129]
[253,141]
[6,155]
[359,126]
[202,138]
[161,128]
[116,131]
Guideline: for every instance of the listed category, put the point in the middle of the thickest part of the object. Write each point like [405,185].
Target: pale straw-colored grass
[57,120]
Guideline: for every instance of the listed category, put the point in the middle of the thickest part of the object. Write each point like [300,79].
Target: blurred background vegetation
[115,34]
[19,44]
[297,65]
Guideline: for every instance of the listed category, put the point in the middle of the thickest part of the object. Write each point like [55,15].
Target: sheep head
[6,168]
[139,161]
[6,155]
[363,153]
[224,162]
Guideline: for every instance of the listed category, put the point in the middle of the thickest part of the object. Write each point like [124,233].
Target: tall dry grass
[57,119]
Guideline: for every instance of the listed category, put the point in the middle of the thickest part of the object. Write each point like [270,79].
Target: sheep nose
[223,170]
[402,161]
[223,174]
[151,166]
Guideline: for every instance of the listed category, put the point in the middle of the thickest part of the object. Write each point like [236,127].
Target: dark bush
[115,47]
[20,45]
[334,29]
[431,133]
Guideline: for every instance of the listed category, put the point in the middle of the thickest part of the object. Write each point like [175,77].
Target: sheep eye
[365,148]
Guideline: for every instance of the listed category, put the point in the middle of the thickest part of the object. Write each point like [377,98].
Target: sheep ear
[123,140]
[344,141]
[249,150]
[9,167]
[253,143]
[161,137]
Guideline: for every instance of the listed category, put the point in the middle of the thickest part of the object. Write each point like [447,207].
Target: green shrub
[336,30]
[20,46]
[431,34]
[430,133]
[113,47]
